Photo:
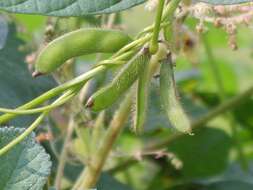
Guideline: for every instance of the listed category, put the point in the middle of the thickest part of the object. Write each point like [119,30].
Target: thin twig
[92,172]
[62,160]
[222,95]
[198,123]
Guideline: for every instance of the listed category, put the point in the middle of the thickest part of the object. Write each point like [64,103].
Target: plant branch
[33,126]
[36,110]
[93,171]
[168,30]
[222,95]
[198,123]
[154,41]
[62,160]
[80,80]
[54,92]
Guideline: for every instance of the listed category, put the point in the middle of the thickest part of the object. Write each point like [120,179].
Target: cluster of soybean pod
[134,58]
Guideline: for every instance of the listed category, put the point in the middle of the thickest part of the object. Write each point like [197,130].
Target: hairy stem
[33,126]
[54,92]
[154,41]
[168,30]
[98,131]
[168,15]
[93,171]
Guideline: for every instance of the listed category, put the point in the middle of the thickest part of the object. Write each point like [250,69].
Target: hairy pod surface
[77,43]
[105,97]
[141,105]
[169,99]
[141,100]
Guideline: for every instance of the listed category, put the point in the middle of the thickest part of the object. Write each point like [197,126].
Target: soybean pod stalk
[69,94]
[154,41]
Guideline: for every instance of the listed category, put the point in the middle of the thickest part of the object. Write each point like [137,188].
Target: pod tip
[36,74]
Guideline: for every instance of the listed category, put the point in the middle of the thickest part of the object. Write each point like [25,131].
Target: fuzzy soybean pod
[141,100]
[77,43]
[106,96]
[169,98]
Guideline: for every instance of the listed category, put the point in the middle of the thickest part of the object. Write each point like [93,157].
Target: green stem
[63,156]
[214,68]
[78,81]
[221,92]
[20,138]
[98,131]
[119,60]
[151,29]
[37,110]
[154,41]
[168,16]
[93,171]
[170,10]
[224,107]
[139,42]
[54,92]
[33,126]
[84,136]
[78,182]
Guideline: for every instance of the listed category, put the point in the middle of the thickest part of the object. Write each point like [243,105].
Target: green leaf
[4,30]
[26,166]
[203,154]
[208,84]
[221,185]
[243,114]
[67,7]
[225,2]
[16,83]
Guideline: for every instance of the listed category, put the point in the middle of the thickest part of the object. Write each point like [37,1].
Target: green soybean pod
[169,99]
[141,100]
[106,96]
[77,43]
